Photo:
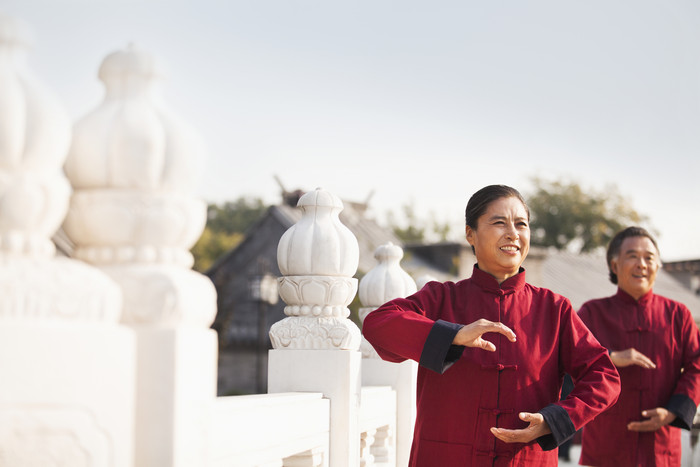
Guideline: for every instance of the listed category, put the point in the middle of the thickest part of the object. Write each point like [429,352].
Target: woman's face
[501,239]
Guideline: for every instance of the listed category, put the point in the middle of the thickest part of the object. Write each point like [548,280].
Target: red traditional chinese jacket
[462,392]
[664,331]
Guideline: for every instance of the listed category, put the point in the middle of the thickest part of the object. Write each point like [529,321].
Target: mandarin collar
[489,283]
[625,297]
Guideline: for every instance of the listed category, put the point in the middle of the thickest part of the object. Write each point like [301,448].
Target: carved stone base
[62,436]
[56,289]
[367,350]
[71,401]
[317,296]
[315,333]
[164,295]
[365,347]
[33,202]
[112,226]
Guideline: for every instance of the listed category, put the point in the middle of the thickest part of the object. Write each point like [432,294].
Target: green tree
[411,231]
[235,216]
[225,229]
[441,230]
[567,217]
[416,230]
[211,246]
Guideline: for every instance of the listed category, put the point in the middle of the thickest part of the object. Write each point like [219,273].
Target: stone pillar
[385,282]
[315,348]
[67,366]
[134,165]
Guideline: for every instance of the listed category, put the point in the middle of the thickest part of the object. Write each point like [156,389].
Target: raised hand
[471,334]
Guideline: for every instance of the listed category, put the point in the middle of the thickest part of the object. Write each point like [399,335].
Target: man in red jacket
[655,345]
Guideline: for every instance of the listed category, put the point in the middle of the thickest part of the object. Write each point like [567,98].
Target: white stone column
[133,165]
[67,366]
[382,283]
[316,345]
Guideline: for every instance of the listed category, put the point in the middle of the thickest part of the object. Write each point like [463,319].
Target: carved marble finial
[386,281]
[134,165]
[36,286]
[319,244]
[318,257]
[34,139]
[131,140]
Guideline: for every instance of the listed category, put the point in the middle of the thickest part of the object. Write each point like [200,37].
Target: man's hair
[616,244]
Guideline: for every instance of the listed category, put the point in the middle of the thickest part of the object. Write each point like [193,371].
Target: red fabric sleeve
[689,338]
[398,329]
[596,380]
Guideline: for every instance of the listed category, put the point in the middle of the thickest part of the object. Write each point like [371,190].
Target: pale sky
[419,102]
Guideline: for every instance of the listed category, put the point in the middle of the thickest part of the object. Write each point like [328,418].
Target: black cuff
[438,352]
[684,409]
[561,425]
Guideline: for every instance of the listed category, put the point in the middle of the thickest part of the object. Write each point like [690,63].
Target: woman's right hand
[471,334]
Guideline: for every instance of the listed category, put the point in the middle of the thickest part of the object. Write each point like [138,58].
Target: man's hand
[631,356]
[538,427]
[658,417]
[470,335]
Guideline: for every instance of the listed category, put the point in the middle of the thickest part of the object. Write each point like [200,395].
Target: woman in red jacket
[494,400]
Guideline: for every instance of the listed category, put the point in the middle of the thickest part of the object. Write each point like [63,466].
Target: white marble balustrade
[287,429]
[378,426]
[67,365]
[109,352]
[385,282]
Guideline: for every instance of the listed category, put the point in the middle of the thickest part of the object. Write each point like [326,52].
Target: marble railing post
[134,166]
[316,345]
[385,282]
[66,364]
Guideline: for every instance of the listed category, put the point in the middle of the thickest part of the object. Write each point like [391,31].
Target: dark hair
[616,244]
[480,201]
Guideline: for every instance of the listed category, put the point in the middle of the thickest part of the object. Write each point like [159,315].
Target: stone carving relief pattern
[58,436]
[59,289]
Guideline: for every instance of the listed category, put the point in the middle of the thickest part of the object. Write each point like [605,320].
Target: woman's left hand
[538,427]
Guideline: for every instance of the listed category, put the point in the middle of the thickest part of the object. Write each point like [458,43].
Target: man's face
[636,265]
